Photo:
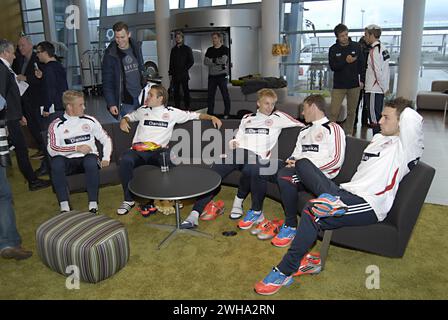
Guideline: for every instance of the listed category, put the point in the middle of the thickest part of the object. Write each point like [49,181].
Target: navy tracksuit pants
[313,180]
[62,166]
[250,181]
[132,159]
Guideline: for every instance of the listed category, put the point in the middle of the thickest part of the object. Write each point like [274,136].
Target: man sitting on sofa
[71,144]
[156,124]
[323,143]
[365,199]
[256,137]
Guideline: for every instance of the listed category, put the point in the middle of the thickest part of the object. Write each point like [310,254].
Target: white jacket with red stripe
[259,132]
[66,132]
[386,160]
[323,143]
[377,73]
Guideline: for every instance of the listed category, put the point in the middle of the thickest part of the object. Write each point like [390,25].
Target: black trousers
[131,159]
[213,83]
[18,141]
[177,83]
[34,123]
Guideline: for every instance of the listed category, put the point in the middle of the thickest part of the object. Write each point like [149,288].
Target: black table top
[179,183]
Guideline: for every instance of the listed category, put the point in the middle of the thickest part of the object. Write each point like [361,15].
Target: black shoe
[38,184]
[41,172]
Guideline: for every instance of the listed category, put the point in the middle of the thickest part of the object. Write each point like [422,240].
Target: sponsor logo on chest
[155,123]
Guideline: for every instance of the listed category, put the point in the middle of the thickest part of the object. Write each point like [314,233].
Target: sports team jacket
[156,124]
[66,132]
[385,161]
[377,74]
[259,132]
[323,143]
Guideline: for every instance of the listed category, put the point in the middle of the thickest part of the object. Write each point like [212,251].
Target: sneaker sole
[290,282]
[283,245]
[212,217]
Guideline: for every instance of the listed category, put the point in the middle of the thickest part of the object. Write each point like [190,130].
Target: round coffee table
[178,183]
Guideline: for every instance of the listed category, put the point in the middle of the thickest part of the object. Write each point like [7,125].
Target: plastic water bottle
[164,162]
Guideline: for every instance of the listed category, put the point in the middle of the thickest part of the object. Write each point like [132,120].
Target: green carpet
[223,267]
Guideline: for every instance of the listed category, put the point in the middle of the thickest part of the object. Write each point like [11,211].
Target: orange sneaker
[212,210]
[310,264]
[260,227]
[271,230]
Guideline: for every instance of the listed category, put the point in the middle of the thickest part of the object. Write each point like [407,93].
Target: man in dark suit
[33,98]
[181,60]
[9,89]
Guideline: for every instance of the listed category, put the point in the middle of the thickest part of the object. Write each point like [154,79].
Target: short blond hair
[266,93]
[70,96]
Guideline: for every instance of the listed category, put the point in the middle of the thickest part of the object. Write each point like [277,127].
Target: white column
[48,18]
[410,48]
[270,20]
[83,40]
[162,17]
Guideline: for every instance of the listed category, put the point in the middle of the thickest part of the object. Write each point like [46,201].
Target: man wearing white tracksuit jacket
[377,76]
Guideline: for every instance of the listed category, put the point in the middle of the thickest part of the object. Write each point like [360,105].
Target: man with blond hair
[156,123]
[256,137]
[71,144]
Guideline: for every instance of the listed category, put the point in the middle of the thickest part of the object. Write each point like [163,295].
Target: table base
[175,229]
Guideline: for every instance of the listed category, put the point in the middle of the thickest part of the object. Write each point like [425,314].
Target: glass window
[244,1]
[115,7]
[36,27]
[93,8]
[174,4]
[93,30]
[35,15]
[36,38]
[436,13]
[30,4]
[321,15]
[219,2]
[148,5]
[191,4]
[385,13]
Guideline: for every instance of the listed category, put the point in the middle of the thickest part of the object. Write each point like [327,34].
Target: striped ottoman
[96,244]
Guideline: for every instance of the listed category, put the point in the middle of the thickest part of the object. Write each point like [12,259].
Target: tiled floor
[436,143]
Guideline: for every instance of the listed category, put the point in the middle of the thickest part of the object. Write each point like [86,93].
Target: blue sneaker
[250,219]
[327,205]
[273,282]
[284,237]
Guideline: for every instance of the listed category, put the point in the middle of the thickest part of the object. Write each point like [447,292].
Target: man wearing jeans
[217,60]
[10,241]
[122,72]
[366,198]
[347,62]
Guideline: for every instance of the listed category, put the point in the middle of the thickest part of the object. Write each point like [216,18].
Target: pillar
[410,48]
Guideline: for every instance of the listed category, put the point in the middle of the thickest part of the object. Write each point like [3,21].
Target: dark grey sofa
[388,238]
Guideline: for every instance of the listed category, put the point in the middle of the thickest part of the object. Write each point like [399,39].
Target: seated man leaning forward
[323,143]
[256,137]
[71,144]
[365,199]
[154,130]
